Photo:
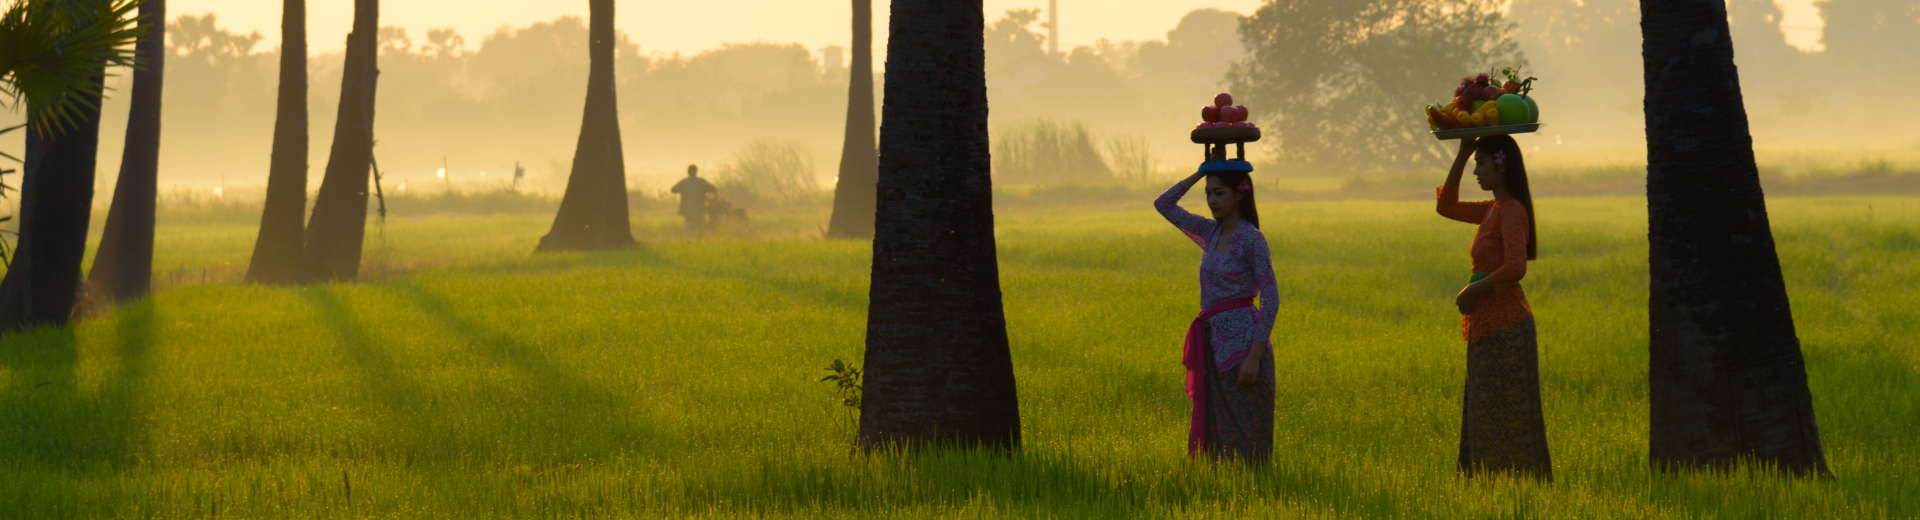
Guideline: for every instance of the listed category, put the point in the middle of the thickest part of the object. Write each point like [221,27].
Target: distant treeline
[1117,108]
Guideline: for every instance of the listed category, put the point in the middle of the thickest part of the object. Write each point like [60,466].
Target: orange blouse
[1500,247]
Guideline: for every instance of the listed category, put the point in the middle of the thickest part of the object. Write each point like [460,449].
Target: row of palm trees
[1727,378]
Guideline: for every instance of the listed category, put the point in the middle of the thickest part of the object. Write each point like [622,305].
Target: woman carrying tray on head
[1229,372]
[1501,425]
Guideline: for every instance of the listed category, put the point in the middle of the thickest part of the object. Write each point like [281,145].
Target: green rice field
[680,379]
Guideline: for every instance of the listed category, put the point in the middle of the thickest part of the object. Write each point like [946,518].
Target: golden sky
[692,26]
[689,26]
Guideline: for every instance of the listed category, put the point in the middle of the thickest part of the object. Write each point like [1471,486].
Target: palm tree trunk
[938,368]
[853,196]
[278,251]
[1727,380]
[338,227]
[123,267]
[593,211]
[56,205]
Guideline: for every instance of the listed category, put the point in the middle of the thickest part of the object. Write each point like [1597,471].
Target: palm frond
[53,54]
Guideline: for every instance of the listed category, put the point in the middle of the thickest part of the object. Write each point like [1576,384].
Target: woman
[1229,374]
[1501,427]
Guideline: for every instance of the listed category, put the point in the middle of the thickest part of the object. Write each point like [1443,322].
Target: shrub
[1043,151]
[769,170]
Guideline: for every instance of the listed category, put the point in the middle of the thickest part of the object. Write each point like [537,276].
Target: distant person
[1229,369]
[1502,428]
[693,192]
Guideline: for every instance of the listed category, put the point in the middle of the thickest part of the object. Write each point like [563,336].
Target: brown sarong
[1502,428]
[1240,420]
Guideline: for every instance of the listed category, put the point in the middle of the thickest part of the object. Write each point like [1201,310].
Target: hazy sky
[689,26]
[692,26]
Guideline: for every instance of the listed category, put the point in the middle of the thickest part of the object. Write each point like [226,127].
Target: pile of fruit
[1479,102]
[1223,114]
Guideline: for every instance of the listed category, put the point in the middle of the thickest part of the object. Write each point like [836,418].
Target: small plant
[846,377]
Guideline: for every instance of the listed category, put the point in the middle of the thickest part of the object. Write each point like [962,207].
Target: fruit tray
[1483,131]
[1226,135]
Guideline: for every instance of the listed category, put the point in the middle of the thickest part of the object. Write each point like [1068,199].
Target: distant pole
[446,175]
[1053,27]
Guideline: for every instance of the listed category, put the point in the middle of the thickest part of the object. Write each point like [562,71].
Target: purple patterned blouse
[1245,266]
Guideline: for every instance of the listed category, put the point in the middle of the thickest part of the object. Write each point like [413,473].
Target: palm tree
[1727,379]
[278,250]
[853,196]
[54,53]
[593,211]
[938,368]
[123,267]
[339,224]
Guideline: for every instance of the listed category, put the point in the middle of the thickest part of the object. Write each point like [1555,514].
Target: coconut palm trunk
[123,266]
[853,195]
[56,206]
[937,365]
[281,244]
[1727,379]
[338,227]
[593,211]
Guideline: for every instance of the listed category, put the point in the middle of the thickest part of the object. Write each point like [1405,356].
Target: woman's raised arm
[1196,227]
[1448,195]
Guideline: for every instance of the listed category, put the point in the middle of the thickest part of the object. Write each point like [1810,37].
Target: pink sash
[1199,369]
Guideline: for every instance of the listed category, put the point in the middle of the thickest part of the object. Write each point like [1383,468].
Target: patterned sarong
[1240,420]
[1501,425]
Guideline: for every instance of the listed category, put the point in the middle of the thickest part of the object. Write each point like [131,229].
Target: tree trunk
[339,224]
[853,195]
[278,251]
[123,267]
[938,369]
[593,212]
[1727,380]
[56,205]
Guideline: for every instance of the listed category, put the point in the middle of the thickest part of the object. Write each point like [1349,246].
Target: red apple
[1224,99]
[1239,113]
[1203,126]
[1242,124]
[1210,114]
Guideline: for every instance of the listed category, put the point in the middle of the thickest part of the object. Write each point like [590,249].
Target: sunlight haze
[677,27]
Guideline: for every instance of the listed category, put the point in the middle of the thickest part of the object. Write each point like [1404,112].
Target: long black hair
[1232,180]
[1515,169]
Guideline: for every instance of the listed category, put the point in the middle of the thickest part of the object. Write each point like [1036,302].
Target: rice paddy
[680,379]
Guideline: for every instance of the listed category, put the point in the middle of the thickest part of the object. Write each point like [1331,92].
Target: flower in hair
[1500,158]
[1246,186]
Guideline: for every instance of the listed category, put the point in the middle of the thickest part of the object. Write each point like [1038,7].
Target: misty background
[769,114]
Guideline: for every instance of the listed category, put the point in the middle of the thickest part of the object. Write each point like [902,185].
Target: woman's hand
[1468,294]
[1249,373]
[1468,145]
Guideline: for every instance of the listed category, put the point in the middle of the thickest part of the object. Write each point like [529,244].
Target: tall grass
[769,171]
[680,380]
[1046,151]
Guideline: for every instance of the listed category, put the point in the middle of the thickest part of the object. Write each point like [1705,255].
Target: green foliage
[680,380]
[1340,83]
[846,380]
[51,51]
[1044,151]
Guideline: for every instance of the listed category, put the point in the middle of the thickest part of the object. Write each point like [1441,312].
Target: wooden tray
[1483,131]
[1226,135]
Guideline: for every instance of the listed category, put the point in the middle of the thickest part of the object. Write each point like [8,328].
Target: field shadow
[52,422]
[649,257]
[561,399]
